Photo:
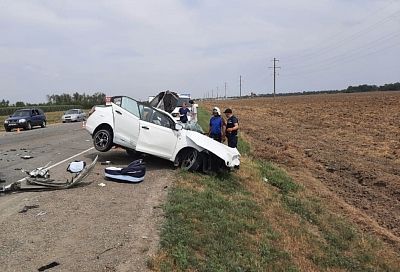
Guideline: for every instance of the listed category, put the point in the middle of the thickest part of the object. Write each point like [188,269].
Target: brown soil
[88,228]
[348,143]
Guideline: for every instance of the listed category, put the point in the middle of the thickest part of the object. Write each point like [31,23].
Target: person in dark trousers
[183,112]
[232,126]
[217,125]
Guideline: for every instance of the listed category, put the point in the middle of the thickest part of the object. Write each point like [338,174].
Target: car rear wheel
[43,125]
[190,160]
[28,126]
[102,140]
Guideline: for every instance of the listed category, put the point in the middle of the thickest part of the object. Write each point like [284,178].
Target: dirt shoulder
[89,228]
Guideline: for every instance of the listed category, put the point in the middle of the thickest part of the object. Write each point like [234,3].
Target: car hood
[16,118]
[231,156]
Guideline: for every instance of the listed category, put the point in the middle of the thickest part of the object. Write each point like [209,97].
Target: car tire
[103,140]
[8,129]
[43,125]
[191,159]
[28,126]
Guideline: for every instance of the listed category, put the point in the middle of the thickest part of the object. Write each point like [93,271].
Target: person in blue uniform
[217,125]
[232,126]
[183,112]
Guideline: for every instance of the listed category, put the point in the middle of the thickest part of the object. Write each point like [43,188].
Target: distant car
[26,119]
[139,127]
[74,115]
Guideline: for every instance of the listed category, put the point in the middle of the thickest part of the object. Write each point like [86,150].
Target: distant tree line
[350,89]
[84,100]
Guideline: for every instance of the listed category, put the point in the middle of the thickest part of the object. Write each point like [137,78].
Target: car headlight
[6,122]
[21,120]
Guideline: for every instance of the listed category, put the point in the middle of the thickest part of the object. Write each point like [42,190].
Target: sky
[139,48]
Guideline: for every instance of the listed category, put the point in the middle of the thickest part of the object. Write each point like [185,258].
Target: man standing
[232,126]
[216,129]
[183,112]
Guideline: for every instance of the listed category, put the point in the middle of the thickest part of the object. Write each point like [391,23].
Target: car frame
[138,127]
[27,119]
[78,116]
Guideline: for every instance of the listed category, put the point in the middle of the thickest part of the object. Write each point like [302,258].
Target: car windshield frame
[21,113]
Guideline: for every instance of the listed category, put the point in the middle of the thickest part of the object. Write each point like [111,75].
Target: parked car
[138,127]
[26,119]
[74,115]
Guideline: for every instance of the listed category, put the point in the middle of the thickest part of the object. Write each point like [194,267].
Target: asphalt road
[53,144]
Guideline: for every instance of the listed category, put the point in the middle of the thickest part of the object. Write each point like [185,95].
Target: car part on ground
[138,127]
[39,179]
[134,172]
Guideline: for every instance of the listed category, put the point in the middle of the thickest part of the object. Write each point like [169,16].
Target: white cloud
[148,46]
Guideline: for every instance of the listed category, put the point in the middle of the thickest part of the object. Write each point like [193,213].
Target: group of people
[219,128]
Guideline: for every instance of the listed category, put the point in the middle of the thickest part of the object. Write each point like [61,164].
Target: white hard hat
[217,110]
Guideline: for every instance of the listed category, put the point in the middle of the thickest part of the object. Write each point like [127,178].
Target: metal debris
[48,266]
[27,208]
[26,157]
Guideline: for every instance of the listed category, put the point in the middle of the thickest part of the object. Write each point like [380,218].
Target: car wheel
[190,160]
[43,125]
[28,126]
[8,129]
[102,140]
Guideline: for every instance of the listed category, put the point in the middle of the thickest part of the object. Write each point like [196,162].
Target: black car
[26,119]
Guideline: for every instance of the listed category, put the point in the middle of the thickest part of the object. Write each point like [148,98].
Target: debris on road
[48,266]
[39,179]
[41,213]
[76,166]
[27,208]
[26,157]
[2,180]
[105,163]
[102,184]
[134,172]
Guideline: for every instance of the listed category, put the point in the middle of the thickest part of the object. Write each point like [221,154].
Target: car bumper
[15,125]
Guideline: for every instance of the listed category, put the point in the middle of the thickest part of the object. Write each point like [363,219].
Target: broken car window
[130,105]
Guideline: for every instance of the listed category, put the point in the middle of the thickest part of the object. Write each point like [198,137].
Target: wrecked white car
[138,127]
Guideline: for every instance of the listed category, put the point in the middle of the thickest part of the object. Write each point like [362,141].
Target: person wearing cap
[232,126]
[217,125]
[183,112]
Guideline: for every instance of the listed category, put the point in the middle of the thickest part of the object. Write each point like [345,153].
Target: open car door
[126,121]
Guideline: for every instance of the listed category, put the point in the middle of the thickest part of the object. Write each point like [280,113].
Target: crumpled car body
[138,127]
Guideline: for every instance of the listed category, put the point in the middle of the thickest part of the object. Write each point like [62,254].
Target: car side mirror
[178,126]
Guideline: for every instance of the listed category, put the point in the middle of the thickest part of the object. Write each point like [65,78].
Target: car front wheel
[28,126]
[190,160]
[43,125]
[102,140]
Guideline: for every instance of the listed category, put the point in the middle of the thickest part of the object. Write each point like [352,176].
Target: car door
[35,118]
[156,136]
[126,122]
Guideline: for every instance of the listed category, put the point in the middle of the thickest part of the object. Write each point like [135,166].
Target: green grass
[259,219]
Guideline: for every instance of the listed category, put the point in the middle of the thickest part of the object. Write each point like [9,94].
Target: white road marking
[76,155]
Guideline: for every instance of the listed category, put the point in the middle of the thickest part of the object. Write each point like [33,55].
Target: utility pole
[212,94]
[225,90]
[275,67]
[217,92]
[240,86]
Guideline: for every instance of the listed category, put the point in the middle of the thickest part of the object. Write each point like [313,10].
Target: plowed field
[348,144]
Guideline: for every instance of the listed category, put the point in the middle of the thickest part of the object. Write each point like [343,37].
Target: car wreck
[139,127]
